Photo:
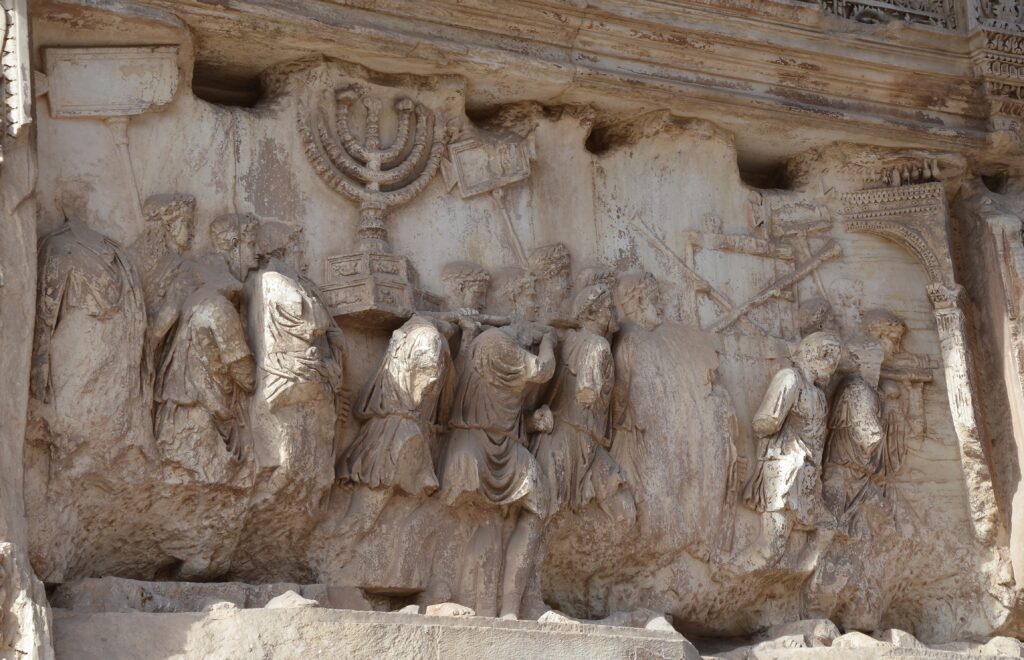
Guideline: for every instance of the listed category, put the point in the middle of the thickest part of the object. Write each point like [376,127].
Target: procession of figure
[538,400]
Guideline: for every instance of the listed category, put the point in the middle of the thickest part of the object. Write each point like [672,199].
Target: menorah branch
[378,177]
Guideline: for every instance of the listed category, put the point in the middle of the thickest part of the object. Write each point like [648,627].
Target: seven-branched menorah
[366,172]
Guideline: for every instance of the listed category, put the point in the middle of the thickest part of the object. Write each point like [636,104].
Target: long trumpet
[483,319]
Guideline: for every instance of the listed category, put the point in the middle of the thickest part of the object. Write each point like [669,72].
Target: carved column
[949,317]
[24,615]
[916,217]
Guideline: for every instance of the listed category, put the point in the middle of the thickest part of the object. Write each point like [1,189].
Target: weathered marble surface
[698,313]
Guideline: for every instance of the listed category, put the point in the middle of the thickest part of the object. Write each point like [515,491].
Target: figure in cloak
[868,428]
[402,409]
[640,301]
[91,397]
[868,431]
[94,395]
[791,427]
[205,375]
[672,422]
[206,372]
[851,470]
[574,460]
[486,462]
[298,401]
[575,466]
[168,275]
[903,396]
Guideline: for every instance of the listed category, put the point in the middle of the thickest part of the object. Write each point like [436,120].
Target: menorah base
[372,290]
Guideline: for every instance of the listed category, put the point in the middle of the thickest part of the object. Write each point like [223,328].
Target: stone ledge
[314,632]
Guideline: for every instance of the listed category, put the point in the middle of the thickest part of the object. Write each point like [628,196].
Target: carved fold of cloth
[575,465]
[88,355]
[302,351]
[865,445]
[792,418]
[83,271]
[486,454]
[629,446]
[402,408]
[200,388]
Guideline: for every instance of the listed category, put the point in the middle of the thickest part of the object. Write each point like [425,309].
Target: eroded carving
[1000,62]
[791,426]
[89,291]
[487,461]
[206,373]
[939,13]
[914,217]
[403,409]
[1000,14]
[652,352]
[876,411]
[514,455]
[294,413]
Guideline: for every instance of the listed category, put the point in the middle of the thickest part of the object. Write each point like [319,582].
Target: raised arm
[596,374]
[777,402]
[541,367]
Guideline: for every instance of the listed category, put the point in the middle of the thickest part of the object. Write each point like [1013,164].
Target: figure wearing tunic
[92,400]
[486,454]
[299,372]
[292,418]
[573,458]
[198,395]
[789,458]
[865,444]
[396,446]
[166,286]
[89,291]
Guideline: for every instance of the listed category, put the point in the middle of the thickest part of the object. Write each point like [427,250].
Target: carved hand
[541,421]
[470,328]
[587,396]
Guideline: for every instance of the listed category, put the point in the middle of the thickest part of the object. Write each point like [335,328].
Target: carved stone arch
[913,217]
[916,218]
[907,238]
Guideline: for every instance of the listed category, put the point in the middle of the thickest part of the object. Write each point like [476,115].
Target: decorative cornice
[894,201]
[935,13]
[999,62]
[735,62]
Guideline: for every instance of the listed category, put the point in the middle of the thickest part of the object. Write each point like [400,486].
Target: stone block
[302,633]
[110,82]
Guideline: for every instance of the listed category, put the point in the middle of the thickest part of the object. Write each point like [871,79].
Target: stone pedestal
[373,290]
